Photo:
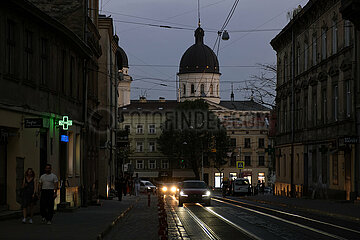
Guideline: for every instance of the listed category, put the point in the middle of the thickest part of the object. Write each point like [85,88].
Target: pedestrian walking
[137,185]
[29,195]
[126,185]
[119,184]
[48,184]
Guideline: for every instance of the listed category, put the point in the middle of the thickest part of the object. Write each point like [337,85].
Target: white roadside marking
[231,223]
[298,216]
[210,233]
[286,221]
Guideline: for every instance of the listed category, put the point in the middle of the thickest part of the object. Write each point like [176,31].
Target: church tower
[199,76]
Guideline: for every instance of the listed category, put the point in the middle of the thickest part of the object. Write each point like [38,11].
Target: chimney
[161,99]
[232,93]
[142,99]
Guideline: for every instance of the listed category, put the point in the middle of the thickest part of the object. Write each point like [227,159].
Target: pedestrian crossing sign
[240,164]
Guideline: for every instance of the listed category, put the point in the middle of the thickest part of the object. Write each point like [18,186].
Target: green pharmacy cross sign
[65,123]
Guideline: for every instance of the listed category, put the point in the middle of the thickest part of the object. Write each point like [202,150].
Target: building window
[323,43]
[314,50]
[28,54]
[164,164]
[127,128]
[152,129]
[324,106]
[139,129]
[247,160]
[285,72]
[335,169]
[152,146]
[44,61]
[247,143]
[217,90]
[232,176]
[72,75]
[218,180]
[298,54]
[348,98]
[63,64]
[233,142]
[152,164]
[335,102]
[192,89]
[334,36]
[139,146]
[314,108]
[306,56]
[211,89]
[261,142]
[261,161]
[347,33]
[184,89]
[202,90]
[10,47]
[139,164]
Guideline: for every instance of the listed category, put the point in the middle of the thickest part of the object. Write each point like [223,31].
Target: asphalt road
[235,218]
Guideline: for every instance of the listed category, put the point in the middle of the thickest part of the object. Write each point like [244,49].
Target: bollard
[148,199]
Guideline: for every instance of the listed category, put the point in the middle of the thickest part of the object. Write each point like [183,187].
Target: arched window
[211,89]
[192,89]
[217,90]
[202,90]
[184,89]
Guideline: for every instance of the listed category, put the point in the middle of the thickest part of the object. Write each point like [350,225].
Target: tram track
[326,229]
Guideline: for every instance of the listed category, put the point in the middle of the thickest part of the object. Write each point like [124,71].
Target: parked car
[241,186]
[146,186]
[194,191]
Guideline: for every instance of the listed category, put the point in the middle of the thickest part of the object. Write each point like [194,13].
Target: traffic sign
[240,164]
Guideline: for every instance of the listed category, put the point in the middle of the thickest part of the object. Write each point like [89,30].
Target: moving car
[169,188]
[194,191]
[241,186]
[146,186]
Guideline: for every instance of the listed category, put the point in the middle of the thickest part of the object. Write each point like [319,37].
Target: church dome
[121,58]
[199,58]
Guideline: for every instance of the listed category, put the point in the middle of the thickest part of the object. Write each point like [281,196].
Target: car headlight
[207,194]
[173,189]
[183,194]
[164,189]
[148,188]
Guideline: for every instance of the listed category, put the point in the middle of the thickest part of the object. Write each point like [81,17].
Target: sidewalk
[337,209]
[140,223]
[84,223]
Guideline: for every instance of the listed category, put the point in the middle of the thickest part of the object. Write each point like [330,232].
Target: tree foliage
[192,132]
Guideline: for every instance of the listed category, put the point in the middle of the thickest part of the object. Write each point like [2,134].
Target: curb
[116,220]
[311,210]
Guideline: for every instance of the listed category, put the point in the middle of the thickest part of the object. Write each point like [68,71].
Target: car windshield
[149,184]
[194,185]
[242,182]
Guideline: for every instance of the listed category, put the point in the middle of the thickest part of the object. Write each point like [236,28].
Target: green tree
[191,132]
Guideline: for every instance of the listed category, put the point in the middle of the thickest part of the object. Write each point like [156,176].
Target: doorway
[43,152]
[3,175]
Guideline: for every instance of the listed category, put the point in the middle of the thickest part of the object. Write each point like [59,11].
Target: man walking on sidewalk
[137,185]
[48,185]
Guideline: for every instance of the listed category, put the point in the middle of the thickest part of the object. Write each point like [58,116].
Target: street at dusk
[194,119]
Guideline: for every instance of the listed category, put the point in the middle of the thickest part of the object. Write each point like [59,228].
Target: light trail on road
[283,220]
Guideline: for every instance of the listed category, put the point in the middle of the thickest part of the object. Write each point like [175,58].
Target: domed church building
[199,73]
